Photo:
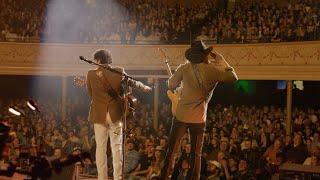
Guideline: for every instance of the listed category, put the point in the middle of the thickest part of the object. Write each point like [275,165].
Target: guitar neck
[168,68]
[164,57]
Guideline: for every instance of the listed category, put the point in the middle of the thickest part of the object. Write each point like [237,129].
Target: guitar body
[132,104]
[174,97]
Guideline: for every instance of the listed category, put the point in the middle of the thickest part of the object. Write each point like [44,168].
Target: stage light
[281,85]
[248,87]
[298,85]
[14,111]
[32,105]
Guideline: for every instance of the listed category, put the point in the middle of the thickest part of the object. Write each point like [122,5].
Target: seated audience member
[298,152]
[272,151]
[185,166]
[249,153]
[233,166]
[156,165]
[313,159]
[243,171]
[131,158]
[213,170]
[144,163]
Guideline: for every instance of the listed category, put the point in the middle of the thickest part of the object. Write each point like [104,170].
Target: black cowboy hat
[197,52]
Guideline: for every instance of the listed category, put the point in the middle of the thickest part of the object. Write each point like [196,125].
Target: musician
[106,111]
[199,77]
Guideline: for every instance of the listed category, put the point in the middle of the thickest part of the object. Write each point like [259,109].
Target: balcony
[272,61]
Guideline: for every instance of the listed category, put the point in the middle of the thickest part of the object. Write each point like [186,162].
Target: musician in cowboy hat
[199,76]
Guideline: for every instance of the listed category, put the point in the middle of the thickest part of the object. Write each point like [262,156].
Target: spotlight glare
[31,106]
[15,112]
[120,124]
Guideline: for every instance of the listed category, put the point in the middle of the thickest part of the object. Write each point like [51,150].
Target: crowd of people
[149,21]
[258,22]
[241,142]
[21,20]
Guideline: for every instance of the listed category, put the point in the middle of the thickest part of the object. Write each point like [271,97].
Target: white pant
[114,130]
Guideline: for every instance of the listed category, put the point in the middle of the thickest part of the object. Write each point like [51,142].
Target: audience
[156,21]
[241,142]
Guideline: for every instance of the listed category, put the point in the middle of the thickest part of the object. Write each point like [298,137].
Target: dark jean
[177,130]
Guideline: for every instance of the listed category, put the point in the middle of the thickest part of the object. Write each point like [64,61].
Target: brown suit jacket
[193,103]
[101,102]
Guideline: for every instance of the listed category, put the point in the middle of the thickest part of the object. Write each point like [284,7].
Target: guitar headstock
[165,59]
[163,55]
[79,81]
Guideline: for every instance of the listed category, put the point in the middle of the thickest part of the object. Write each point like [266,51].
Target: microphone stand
[125,90]
[124,124]
[126,76]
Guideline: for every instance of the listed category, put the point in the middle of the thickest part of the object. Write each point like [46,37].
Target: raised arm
[226,72]
[137,84]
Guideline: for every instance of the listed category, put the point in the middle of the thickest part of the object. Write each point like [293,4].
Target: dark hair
[104,56]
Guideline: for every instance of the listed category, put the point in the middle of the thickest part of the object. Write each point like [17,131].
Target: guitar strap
[199,82]
[107,86]
[116,96]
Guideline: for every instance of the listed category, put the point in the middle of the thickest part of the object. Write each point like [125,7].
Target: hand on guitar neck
[165,59]
[79,81]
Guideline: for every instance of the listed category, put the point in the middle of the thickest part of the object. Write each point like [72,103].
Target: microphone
[86,60]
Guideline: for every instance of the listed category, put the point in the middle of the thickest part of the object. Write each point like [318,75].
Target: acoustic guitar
[132,101]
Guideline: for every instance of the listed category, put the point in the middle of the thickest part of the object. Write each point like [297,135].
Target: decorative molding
[251,61]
